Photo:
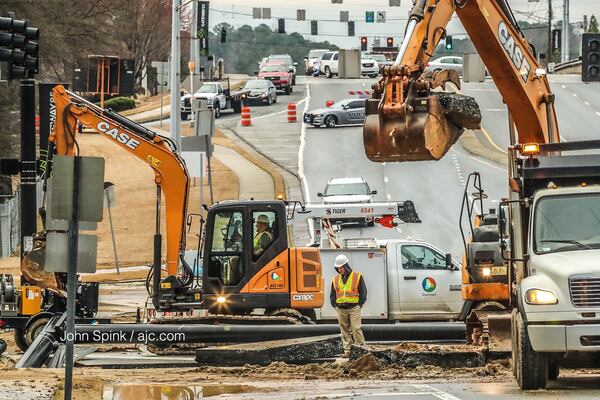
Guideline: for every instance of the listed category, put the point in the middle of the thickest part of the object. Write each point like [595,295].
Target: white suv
[329,63]
[347,190]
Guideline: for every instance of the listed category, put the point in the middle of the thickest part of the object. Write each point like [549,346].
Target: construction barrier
[246,118]
[363,94]
[291,108]
[329,103]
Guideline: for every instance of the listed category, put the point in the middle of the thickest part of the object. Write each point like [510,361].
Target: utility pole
[549,51]
[175,116]
[565,32]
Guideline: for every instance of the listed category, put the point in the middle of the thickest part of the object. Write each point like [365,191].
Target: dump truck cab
[553,248]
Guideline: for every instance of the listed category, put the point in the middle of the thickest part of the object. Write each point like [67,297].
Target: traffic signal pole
[28,202]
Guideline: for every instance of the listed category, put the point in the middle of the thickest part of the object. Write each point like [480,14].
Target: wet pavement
[563,388]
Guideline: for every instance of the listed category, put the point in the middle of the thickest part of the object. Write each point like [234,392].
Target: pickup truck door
[426,285]
[222,98]
[334,63]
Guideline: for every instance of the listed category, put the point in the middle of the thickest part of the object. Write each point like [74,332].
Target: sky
[239,12]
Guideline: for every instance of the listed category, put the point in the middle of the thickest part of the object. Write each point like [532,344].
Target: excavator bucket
[412,123]
[32,268]
[491,329]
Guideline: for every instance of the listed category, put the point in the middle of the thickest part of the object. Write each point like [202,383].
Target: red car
[279,75]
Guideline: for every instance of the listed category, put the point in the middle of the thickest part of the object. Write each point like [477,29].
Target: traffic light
[390,42]
[281,25]
[363,43]
[448,42]
[18,47]
[350,28]
[314,28]
[590,57]
[223,35]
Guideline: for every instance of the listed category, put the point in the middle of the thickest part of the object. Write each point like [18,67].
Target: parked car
[329,64]
[280,75]
[261,91]
[310,60]
[286,60]
[369,66]
[446,62]
[343,112]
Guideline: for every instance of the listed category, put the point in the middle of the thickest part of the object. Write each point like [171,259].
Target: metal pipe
[412,24]
[156,264]
[200,333]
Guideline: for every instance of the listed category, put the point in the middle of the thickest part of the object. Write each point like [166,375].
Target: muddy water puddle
[170,392]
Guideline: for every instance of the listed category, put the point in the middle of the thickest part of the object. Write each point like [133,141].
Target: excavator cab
[409,119]
[248,264]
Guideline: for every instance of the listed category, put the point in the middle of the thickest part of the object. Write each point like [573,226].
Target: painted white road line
[388,196]
[496,109]
[440,394]
[282,111]
[499,168]
[598,113]
[386,179]
[574,94]
[587,103]
[302,146]
[563,86]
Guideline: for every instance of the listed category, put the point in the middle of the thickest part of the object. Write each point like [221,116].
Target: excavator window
[264,232]
[227,249]
[421,257]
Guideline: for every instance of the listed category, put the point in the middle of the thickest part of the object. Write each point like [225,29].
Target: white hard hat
[340,260]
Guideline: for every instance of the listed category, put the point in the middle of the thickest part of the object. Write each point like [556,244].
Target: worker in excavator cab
[263,237]
[348,294]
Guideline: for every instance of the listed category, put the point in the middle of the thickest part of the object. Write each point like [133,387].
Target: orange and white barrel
[291,112]
[246,118]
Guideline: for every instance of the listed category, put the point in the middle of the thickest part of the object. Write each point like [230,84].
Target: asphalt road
[436,187]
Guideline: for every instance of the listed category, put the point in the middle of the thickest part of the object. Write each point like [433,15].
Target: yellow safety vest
[257,239]
[347,293]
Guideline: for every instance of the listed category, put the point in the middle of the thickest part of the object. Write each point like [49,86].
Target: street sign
[344,16]
[381,17]
[394,3]
[369,16]
[301,15]
[57,252]
[91,188]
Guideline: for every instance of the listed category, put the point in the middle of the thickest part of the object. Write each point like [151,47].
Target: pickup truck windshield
[566,223]
[342,189]
[208,88]
[274,68]
[316,53]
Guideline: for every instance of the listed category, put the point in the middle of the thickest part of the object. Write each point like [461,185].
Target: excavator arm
[159,153]
[408,120]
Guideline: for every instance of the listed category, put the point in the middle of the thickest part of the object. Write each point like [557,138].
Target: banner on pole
[202,28]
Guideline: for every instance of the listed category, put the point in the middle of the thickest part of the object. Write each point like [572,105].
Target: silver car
[446,62]
[344,112]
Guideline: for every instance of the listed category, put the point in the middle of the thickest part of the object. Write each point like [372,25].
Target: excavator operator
[263,237]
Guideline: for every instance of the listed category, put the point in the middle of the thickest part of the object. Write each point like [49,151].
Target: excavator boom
[409,119]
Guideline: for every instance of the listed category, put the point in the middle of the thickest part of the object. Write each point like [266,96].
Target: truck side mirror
[449,263]
[319,194]
[373,191]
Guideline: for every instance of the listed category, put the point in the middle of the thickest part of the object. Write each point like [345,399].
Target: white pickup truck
[407,280]
[219,99]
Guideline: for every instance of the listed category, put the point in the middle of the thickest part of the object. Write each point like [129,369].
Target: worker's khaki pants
[349,320]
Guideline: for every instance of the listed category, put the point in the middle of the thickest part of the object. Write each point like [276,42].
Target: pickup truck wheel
[553,371]
[330,121]
[20,339]
[184,116]
[531,366]
[328,74]
[288,89]
[291,88]
[34,329]
[217,110]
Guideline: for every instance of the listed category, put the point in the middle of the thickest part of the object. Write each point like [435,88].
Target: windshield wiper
[570,241]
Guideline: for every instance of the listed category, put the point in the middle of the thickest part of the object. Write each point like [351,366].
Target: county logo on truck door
[429,286]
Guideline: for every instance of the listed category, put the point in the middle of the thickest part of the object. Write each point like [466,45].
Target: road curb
[221,139]
[471,140]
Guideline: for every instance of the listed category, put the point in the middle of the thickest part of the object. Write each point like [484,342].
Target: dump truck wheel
[553,371]
[532,367]
[20,340]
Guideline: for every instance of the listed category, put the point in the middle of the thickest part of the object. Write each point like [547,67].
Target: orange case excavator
[281,278]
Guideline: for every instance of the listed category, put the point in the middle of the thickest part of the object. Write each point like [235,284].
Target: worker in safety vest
[348,294]
[263,237]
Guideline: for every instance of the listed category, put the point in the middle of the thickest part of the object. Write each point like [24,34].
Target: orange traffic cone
[291,108]
[246,118]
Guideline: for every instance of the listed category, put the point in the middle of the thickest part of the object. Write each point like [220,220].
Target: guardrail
[572,66]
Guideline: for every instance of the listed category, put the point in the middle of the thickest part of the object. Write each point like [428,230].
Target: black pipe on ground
[197,333]
[44,344]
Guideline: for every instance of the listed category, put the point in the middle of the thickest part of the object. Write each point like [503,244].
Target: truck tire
[217,109]
[19,337]
[553,371]
[288,89]
[531,366]
[237,107]
[328,73]
[34,329]
[184,116]
[330,121]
